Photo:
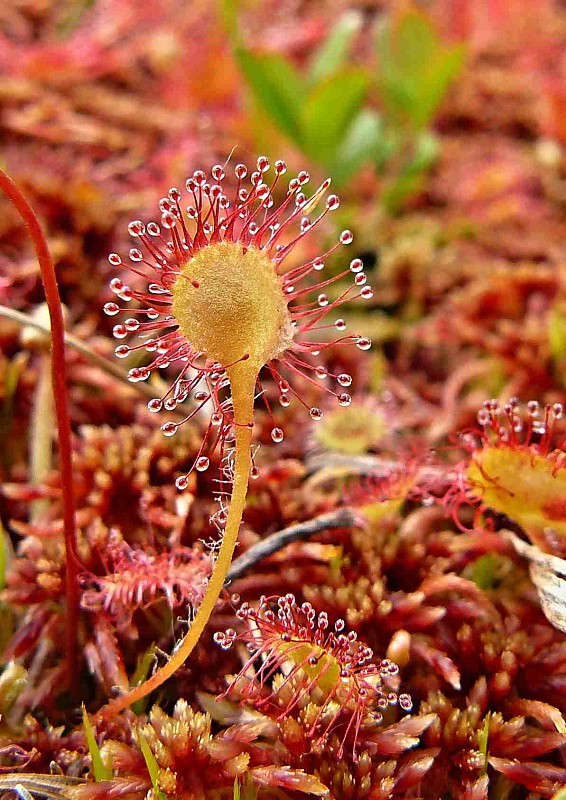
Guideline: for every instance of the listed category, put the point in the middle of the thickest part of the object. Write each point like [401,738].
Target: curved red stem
[59,380]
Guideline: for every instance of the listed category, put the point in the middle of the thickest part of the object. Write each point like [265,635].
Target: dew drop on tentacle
[169,428]
[182,482]
[119,332]
[277,435]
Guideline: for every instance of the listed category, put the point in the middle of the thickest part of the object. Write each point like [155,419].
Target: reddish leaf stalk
[59,381]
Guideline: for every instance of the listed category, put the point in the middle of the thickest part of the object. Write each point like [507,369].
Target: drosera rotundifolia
[515,467]
[312,668]
[223,306]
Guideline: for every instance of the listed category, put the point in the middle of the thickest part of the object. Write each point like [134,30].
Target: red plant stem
[59,381]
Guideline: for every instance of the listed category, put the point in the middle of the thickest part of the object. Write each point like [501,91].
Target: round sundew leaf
[528,488]
[238,308]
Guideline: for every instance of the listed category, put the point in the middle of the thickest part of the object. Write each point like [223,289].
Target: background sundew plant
[282,348]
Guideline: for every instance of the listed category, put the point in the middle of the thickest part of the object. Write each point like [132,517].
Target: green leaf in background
[99,768]
[362,142]
[152,766]
[483,743]
[3,556]
[328,112]
[140,675]
[426,151]
[228,10]
[6,615]
[436,81]
[407,184]
[277,88]
[484,570]
[410,178]
[333,52]
[389,148]
[557,336]
[415,68]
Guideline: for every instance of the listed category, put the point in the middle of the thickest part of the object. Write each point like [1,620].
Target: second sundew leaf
[328,112]
[277,88]
[527,487]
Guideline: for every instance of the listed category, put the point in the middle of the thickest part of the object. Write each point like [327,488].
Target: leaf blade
[276,87]
[332,54]
[328,112]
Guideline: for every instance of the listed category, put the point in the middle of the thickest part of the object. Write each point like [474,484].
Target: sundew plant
[282,447]
[222,305]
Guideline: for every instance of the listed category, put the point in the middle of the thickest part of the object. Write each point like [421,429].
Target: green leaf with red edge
[277,88]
